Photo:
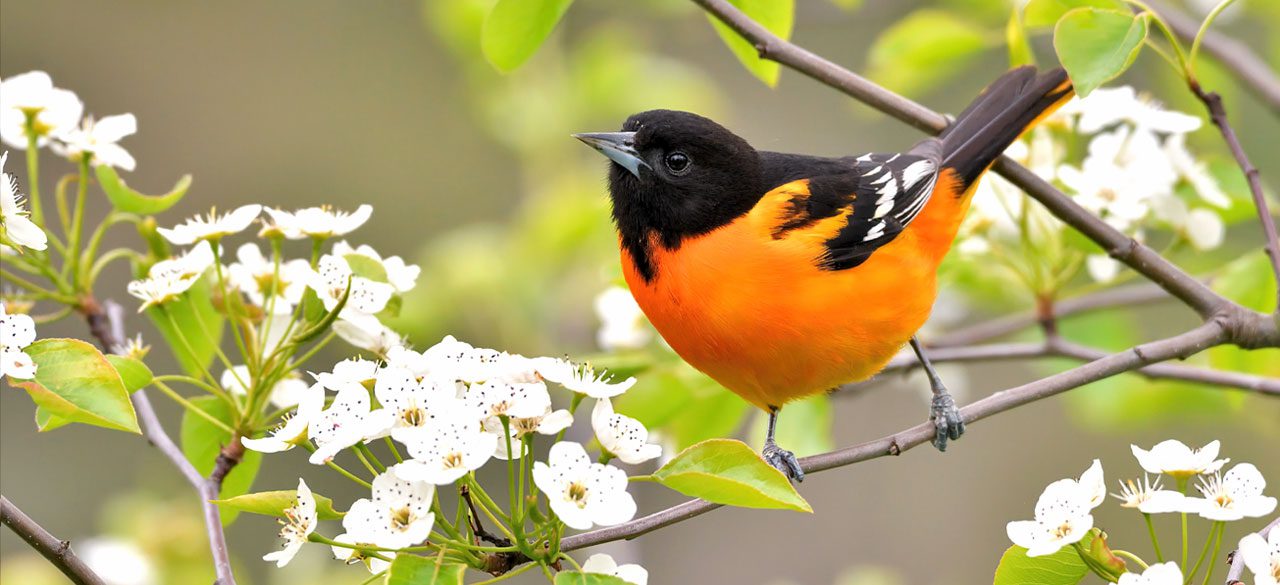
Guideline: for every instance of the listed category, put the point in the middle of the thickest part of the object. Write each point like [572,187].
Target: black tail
[1008,107]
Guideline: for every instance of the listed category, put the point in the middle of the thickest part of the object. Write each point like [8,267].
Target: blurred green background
[472,175]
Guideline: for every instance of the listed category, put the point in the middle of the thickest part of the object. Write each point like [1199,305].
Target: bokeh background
[472,174]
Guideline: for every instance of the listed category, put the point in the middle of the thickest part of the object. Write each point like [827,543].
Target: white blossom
[1149,498]
[361,524]
[1233,496]
[1204,229]
[342,425]
[582,493]
[1194,172]
[447,450]
[1262,556]
[603,564]
[298,524]
[367,332]
[285,393]
[168,279]
[581,378]
[1094,484]
[1062,517]
[315,222]
[294,430]
[267,287]
[550,422]
[17,331]
[622,436]
[1161,574]
[117,561]
[98,139]
[56,110]
[1105,107]
[330,283]
[357,370]
[398,515]
[451,359]
[15,225]
[403,277]
[622,323]
[1175,459]
[514,399]
[212,225]
[407,401]
[1102,268]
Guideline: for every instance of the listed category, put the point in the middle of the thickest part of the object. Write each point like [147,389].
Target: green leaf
[1020,52]
[411,569]
[805,429]
[125,199]
[728,472]
[1247,280]
[925,49]
[275,503]
[202,441]
[1096,45]
[1064,567]
[135,374]
[366,267]
[1046,13]
[75,382]
[775,15]
[189,312]
[576,578]
[515,29]
[47,421]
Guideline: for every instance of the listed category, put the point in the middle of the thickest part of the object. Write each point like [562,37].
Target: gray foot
[783,460]
[947,421]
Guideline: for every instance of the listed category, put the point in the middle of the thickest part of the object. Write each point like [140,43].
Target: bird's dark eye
[677,163]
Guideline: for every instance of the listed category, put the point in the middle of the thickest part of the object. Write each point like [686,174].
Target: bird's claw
[783,460]
[948,424]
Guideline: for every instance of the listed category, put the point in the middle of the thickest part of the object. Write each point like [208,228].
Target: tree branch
[107,325]
[1218,113]
[1237,560]
[1250,69]
[57,552]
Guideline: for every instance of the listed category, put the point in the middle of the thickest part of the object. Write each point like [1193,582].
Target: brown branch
[57,552]
[1250,69]
[1180,346]
[1237,560]
[107,325]
[1218,113]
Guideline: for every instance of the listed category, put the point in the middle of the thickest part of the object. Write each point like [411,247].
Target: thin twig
[106,323]
[57,552]
[1237,560]
[1218,113]
[1250,69]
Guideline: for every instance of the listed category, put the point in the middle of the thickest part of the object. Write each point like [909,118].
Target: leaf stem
[1128,555]
[171,393]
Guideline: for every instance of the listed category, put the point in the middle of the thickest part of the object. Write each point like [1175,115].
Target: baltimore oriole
[784,275]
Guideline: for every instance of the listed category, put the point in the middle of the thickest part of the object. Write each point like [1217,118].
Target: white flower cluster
[454,407]
[17,331]
[1063,514]
[32,108]
[1136,159]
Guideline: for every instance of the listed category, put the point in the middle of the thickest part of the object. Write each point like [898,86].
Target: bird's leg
[947,421]
[784,460]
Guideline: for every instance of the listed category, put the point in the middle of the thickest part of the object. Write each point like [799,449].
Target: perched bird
[785,275]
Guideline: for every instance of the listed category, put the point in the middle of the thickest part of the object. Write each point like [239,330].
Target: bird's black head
[675,175]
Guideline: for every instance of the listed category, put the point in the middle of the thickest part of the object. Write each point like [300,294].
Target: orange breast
[761,318]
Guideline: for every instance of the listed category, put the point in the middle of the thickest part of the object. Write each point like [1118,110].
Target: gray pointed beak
[618,146]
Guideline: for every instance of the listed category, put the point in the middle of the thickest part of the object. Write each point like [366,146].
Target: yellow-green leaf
[124,198]
[1020,52]
[1046,13]
[1061,568]
[777,16]
[805,429]
[274,504]
[135,374]
[202,441]
[411,569]
[515,29]
[75,382]
[195,314]
[728,472]
[925,49]
[1096,45]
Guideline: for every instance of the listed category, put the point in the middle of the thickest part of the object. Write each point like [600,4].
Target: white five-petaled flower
[622,323]
[547,423]
[315,222]
[367,332]
[401,276]
[212,226]
[15,226]
[451,359]
[406,401]
[444,451]
[1175,459]
[341,425]
[622,436]
[1233,496]
[1108,106]
[513,399]
[399,513]
[330,283]
[1262,556]
[1094,484]
[56,110]
[98,139]
[361,525]
[268,287]
[168,279]
[581,378]
[582,493]
[360,371]
[1149,498]
[298,524]
[1161,574]
[17,331]
[603,564]
[1062,518]
[295,428]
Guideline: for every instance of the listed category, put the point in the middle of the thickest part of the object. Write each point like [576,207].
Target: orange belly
[759,317]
